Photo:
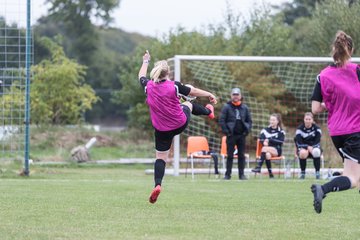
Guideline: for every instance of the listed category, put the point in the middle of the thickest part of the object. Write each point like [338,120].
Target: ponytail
[342,48]
[160,70]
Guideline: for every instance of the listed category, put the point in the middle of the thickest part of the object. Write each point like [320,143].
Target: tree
[266,35]
[304,8]
[297,9]
[70,9]
[74,19]
[58,93]
[100,48]
[314,36]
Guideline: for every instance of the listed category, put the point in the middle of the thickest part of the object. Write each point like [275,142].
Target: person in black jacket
[272,139]
[235,121]
[307,140]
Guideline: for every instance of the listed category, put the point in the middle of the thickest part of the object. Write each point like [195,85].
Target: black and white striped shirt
[305,137]
[276,137]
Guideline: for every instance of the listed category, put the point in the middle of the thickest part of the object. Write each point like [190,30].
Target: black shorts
[278,149]
[163,139]
[348,146]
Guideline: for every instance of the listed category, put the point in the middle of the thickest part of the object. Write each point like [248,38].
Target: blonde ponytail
[342,48]
[160,70]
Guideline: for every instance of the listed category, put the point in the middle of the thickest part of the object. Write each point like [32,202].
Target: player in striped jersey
[307,140]
[272,139]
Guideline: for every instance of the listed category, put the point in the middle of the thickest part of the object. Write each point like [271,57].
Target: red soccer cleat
[211,108]
[155,194]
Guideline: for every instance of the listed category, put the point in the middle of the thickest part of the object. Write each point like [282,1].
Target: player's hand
[323,106]
[146,57]
[266,142]
[212,99]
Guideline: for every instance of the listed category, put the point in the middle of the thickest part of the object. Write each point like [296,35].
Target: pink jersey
[165,110]
[340,88]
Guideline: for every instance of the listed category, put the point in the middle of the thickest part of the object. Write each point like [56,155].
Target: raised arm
[197,92]
[145,64]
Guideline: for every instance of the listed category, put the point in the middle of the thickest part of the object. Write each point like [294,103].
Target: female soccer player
[168,116]
[337,90]
[307,140]
[272,139]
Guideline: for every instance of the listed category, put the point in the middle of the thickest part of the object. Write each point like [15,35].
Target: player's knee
[354,180]
[163,155]
[316,152]
[303,154]
[188,104]
[268,155]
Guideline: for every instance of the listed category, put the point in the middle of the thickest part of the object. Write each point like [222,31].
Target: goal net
[268,85]
[15,58]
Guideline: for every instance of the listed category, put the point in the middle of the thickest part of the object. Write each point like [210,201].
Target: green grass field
[91,202]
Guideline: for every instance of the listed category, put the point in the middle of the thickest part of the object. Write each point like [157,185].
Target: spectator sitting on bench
[272,139]
[307,140]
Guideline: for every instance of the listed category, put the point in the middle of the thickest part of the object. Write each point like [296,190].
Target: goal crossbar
[255,58]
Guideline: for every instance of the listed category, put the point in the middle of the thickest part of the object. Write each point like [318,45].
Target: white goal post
[288,82]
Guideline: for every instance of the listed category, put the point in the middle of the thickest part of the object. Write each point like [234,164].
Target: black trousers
[239,142]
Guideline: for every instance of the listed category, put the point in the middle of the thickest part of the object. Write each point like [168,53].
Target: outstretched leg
[198,109]
[350,179]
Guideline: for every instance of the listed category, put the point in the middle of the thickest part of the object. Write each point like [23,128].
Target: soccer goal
[15,61]
[269,85]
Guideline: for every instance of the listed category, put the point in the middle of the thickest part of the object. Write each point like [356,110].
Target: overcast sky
[158,16]
[152,17]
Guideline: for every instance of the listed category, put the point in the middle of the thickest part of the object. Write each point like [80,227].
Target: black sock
[216,160]
[268,165]
[302,165]
[159,171]
[200,109]
[337,184]
[262,159]
[317,164]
